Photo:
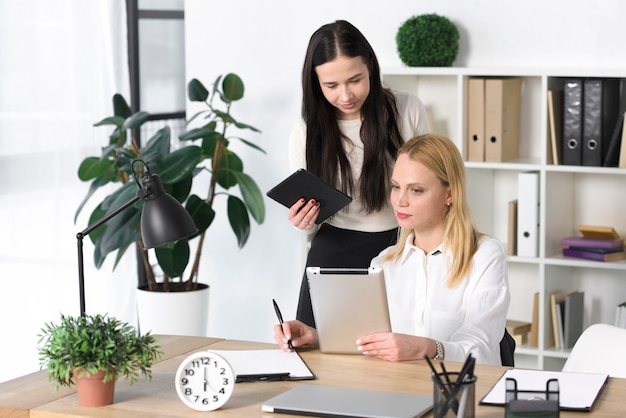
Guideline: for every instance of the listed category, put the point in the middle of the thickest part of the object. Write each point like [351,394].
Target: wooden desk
[31,395]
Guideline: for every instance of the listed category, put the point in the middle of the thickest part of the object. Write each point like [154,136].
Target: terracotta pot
[92,390]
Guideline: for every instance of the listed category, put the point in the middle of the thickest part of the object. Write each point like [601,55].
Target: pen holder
[451,399]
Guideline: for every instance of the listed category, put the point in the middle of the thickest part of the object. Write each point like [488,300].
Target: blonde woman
[447,284]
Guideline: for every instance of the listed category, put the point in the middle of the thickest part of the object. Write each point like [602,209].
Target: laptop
[332,401]
[348,303]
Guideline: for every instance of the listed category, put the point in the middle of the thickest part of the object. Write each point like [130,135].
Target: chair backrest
[601,348]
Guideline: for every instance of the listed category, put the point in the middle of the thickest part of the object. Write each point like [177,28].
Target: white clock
[204,381]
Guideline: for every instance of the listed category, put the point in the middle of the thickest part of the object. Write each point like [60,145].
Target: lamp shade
[163,218]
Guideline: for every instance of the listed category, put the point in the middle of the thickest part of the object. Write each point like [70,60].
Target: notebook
[303,184]
[331,401]
[347,304]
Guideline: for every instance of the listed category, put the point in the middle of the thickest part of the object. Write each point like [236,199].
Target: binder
[555,108]
[600,111]
[528,214]
[534,324]
[476,120]
[502,118]
[573,321]
[511,244]
[612,155]
[556,298]
[572,121]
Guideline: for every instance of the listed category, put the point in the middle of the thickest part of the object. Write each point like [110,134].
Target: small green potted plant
[93,351]
[428,40]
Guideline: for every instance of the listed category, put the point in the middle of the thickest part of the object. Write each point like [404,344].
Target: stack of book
[594,248]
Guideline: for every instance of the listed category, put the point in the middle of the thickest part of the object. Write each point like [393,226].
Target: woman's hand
[396,347]
[303,214]
[296,332]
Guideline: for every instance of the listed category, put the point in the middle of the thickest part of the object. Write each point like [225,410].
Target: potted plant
[91,352]
[206,151]
[428,40]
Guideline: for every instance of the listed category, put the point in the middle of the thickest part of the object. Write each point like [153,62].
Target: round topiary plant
[428,40]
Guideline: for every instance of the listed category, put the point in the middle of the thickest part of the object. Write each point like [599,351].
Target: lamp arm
[87,231]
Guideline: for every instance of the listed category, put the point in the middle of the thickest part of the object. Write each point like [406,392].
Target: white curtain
[60,63]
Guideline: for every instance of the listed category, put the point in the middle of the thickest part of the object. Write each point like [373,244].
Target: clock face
[204,381]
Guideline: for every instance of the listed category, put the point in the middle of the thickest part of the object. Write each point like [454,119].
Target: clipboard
[304,184]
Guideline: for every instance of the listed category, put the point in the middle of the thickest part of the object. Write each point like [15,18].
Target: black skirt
[336,247]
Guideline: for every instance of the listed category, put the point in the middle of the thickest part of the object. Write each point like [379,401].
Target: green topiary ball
[428,40]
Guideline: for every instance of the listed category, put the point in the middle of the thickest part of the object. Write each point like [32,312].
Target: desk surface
[32,395]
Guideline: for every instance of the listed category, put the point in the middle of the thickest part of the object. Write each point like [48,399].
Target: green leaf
[200,211]
[252,196]
[179,164]
[90,168]
[111,120]
[136,120]
[229,165]
[232,87]
[239,220]
[120,106]
[196,91]
[250,144]
[95,185]
[173,259]
[180,190]
[157,147]
[210,142]
[197,133]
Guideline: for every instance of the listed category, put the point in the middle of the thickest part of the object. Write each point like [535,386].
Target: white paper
[266,362]
[576,390]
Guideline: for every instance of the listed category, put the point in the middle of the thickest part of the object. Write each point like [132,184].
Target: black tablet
[303,184]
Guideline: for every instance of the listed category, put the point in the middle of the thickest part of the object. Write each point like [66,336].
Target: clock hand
[205,379]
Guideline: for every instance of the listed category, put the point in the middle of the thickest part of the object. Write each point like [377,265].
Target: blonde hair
[441,156]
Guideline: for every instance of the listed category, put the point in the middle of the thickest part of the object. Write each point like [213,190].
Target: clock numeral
[184,381]
[190,372]
[188,392]
[225,381]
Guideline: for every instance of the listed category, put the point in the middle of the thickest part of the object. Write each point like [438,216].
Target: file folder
[528,214]
[502,118]
[572,122]
[601,109]
[573,320]
[476,120]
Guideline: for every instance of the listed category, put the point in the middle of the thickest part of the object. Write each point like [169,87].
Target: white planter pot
[174,313]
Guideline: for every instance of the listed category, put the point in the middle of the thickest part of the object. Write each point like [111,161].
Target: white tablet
[347,304]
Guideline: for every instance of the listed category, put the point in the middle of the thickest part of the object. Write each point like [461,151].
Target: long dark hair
[381,138]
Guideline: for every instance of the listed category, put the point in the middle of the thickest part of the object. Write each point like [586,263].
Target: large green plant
[95,343]
[209,143]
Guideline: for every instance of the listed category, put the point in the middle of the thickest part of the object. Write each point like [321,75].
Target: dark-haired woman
[349,135]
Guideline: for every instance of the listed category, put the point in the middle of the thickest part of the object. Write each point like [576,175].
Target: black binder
[572,121]
[600,110]
[611,158]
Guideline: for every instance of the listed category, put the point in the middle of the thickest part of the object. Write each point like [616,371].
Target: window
[156,38]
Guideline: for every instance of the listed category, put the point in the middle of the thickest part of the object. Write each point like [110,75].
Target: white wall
[264,42]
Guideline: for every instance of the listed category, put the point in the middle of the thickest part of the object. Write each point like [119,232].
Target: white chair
[601,348]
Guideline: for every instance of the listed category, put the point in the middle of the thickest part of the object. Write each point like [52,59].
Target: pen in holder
[532,403]
[453,393]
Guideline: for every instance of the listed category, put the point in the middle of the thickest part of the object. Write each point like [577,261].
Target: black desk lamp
[163,220]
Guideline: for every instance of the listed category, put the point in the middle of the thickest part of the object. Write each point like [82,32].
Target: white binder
[528,214]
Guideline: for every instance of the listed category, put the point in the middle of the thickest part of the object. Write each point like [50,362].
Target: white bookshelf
[569,196]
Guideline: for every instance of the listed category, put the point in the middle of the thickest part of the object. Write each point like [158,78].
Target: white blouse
[468,318]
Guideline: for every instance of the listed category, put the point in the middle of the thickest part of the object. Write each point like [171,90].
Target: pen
[280,319]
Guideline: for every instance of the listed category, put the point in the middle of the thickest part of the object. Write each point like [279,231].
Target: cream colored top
[412,121]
